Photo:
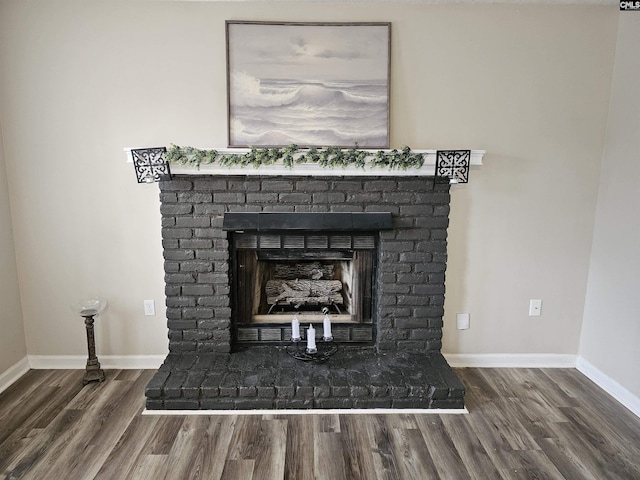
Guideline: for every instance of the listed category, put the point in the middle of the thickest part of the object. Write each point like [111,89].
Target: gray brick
[210,184]
[175,209]
[191,222]
[229,197]
[168,221]
[208,209]
[214,233]
[346,208]
[197,290]
[412,278]
[180,302]
[194,197]
[213,278]
[196,266]
[181,324]
[364,197]
[171,267]
[198,313]
[262,198]
[294,198]
[179,254]
[393,209]
[393,246]
[168,197]
[381,186]
[328,198]
[213,301]
[176,185]
[179,278]
[212,255]
[347,186]
[277,186]
[170,243]
[399,198]
[171,232]
[196,243]
[309,186]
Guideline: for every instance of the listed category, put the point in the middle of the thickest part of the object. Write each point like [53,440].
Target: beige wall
[83,79]
[12,342]
[612,317]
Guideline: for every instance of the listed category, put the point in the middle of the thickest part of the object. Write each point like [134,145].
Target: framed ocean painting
[309,84]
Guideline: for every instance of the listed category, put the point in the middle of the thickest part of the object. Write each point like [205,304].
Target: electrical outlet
[463,321]
[149,307]
[535,308]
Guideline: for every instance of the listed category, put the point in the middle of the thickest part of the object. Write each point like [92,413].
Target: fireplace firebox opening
[280,271]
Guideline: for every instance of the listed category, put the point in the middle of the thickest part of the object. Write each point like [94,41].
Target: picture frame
[309,84]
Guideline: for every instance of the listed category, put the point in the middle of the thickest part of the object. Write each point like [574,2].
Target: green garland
[326,157]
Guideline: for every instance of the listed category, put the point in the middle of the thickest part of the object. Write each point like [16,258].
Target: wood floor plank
[328,461]
[446,457]
[381,444]
[271,453]
[532,464]
[412,456]
[469,447]
[598,403]
[29,452]
[22,410]
[601,436]
[211,441]
[22,391]
[243,440]
[122,458]
[238,469]
[566,461]
[356,450]
[298,463]
[184,451]
[20,435]
[523,424]
[597,459]
[151,467]
[161,442]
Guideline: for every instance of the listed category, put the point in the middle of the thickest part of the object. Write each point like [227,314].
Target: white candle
[311,338]
[295,328]
[326,324]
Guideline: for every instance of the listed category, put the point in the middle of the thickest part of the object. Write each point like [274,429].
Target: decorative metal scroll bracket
[150,164]
[454,164]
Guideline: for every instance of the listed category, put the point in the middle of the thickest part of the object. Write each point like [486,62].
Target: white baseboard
[13,374]
[78,362]
[609,385]
[511,360]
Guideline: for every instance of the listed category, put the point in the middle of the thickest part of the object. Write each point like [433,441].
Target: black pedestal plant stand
[93,371]
[88,309]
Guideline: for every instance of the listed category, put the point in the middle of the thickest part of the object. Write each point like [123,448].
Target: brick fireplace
[227,354]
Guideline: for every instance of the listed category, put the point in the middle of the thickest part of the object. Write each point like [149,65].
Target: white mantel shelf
[427,169]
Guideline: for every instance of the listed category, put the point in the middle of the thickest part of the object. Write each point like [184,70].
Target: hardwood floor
[523,424]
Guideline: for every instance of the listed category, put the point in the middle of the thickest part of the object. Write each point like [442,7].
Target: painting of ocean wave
[308,84]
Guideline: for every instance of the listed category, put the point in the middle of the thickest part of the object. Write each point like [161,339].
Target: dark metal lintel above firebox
[338,221]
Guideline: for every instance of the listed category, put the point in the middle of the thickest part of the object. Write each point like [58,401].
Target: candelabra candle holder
[324,351]
[87,309]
